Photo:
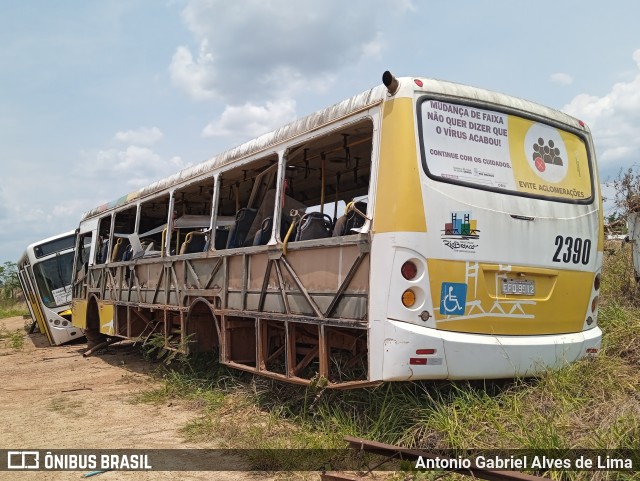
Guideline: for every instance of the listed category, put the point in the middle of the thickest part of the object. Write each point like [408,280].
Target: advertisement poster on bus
[501,151]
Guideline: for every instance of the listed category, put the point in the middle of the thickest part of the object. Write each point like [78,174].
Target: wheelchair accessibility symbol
[453,298]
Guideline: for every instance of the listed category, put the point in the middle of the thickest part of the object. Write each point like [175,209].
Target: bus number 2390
[572,249]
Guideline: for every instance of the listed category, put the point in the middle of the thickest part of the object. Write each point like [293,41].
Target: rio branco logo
[461,232]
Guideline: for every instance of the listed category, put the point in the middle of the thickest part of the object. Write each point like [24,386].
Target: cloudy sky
[99,98]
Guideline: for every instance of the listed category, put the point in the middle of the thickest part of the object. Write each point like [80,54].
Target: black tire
[94,337]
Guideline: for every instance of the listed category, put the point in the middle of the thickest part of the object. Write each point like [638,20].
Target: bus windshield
[496,151]
[53,277]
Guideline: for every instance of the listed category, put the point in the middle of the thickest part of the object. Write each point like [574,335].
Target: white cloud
[244,44]
[562,78]
[251,120]
[141,136]
[614,119]
[134,165]
[256,56]
[195,77]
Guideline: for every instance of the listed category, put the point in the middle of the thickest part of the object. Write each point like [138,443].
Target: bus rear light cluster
[418,361]
[596,282]
[594,304]
[409,270]
[408,298]
[424,352]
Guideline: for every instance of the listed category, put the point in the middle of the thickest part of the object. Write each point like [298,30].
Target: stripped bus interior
[265,262]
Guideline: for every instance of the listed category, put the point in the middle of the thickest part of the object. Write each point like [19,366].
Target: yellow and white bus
[44,271]
[419,230]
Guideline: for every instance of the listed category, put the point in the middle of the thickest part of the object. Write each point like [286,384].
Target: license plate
[519,287]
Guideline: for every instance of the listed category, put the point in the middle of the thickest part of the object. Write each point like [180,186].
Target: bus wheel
[94,337]
[92,332]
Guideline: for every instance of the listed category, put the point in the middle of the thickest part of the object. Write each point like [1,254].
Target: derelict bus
[419,230]
[44,271]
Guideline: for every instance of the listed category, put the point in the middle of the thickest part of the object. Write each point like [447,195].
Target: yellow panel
[559,305]
[399,204]
[105,310]
[40,318]
[601,213]
[79,313]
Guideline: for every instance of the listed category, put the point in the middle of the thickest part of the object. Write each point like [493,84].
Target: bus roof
[357,103]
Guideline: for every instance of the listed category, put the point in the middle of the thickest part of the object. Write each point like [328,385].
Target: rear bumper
[477,356]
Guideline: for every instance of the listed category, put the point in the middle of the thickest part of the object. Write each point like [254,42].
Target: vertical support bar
[265,285]
[128,321]
[281,285]
[225,287]
[167,282]
[323,352]
[291,348]
[167,247]
[110,246]
[262,331]
[184,346]
[137,222]
[245,280]
[258,353]
[214,212]
[277,213]
[224,341]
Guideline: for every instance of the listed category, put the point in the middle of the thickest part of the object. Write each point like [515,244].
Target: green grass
[593,404]
[14,339]
[11,309]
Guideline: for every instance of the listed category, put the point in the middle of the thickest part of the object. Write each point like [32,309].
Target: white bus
[419,230]
[44,271]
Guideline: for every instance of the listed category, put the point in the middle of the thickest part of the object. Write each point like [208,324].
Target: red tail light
[409,270]
[425,351]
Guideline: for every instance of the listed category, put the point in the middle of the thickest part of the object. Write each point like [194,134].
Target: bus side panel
[398,190]
[79,313]
[105,310]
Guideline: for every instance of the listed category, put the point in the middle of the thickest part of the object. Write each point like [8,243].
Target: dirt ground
[53,398]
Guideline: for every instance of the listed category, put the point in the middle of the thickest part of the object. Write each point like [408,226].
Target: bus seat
[102,257]
[350,220]
[240,229]
[266,210]
[128,253]
[263,235]
[314,225]
[118,250]
[222,236]
[338,229]
[194,242]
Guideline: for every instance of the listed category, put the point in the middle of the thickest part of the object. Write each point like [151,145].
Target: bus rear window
[502,152]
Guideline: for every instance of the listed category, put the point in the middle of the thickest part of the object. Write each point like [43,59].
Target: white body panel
[475,356]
